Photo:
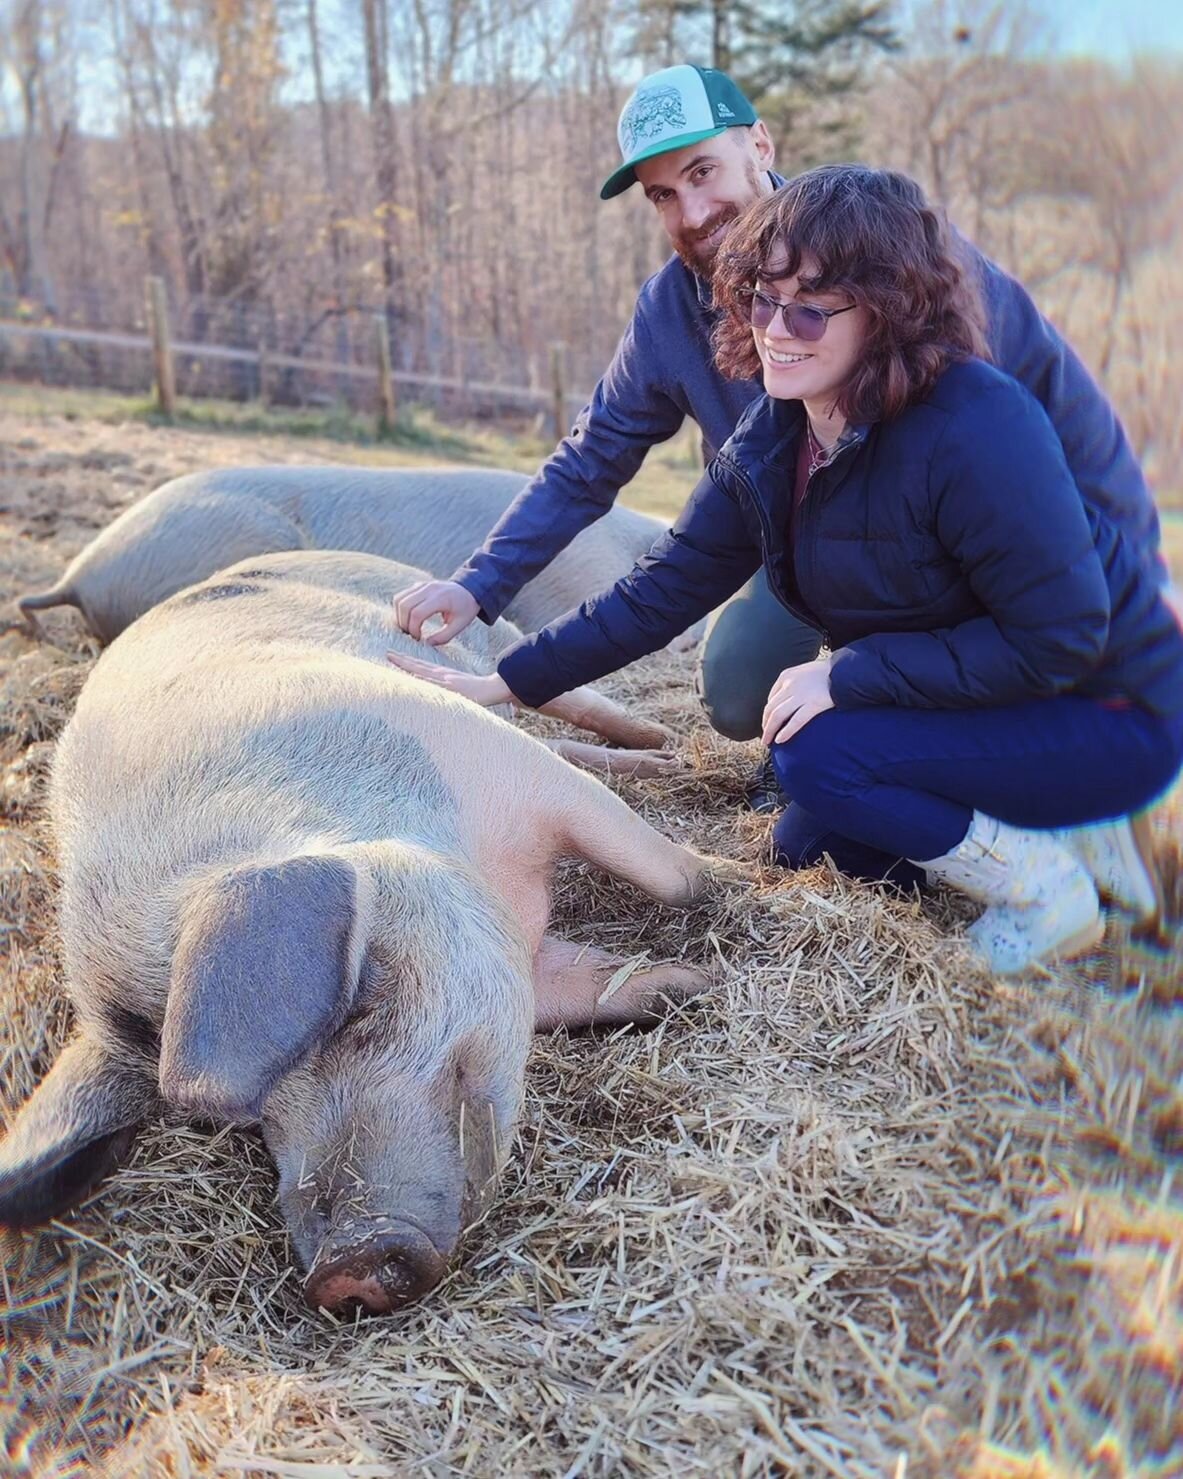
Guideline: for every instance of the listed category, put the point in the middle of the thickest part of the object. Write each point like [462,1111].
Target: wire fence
[340,358]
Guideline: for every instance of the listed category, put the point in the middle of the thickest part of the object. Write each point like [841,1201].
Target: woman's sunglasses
[802,320]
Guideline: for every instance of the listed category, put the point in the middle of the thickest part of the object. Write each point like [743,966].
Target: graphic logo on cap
[724,111]
[650,115]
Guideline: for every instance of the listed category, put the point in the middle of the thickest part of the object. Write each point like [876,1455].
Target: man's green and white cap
[670,109]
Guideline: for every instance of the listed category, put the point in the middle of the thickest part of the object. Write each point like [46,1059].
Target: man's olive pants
[748,644]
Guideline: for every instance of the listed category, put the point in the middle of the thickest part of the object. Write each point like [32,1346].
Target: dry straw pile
[863,1212]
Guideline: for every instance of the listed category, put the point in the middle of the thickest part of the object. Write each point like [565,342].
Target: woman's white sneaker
[1009,939]
[1043,904]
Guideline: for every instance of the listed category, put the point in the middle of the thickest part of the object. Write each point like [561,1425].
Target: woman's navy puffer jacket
[947,556]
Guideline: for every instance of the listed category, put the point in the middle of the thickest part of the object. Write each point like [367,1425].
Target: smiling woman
[825,241]
[1004,692]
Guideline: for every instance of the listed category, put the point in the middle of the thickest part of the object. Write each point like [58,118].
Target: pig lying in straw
[302,889]
[433,518]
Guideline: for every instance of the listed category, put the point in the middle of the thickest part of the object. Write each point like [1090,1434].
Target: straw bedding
[863,1211]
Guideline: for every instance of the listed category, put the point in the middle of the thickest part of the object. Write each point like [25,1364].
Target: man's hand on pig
[488,691]
[418,604]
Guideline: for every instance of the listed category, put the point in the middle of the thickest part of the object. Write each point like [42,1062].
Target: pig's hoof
[727,873]
[377,1276]
[648,996]
[641,763]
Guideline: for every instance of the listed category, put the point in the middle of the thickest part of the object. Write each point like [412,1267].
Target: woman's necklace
[818,455]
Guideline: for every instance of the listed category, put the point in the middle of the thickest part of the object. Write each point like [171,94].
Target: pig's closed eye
[132,1028]
[365,1025]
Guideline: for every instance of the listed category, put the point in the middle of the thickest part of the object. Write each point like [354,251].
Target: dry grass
[865,1212]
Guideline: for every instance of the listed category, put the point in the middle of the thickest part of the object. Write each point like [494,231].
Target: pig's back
[437,517]
[433,518]
[199,524]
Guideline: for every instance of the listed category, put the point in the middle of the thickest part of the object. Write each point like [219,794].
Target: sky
[1114,29]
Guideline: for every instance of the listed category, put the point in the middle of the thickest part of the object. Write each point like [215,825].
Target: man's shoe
[762,792]
[1119,858]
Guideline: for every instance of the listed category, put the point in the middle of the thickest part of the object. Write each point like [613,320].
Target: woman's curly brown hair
[874,237]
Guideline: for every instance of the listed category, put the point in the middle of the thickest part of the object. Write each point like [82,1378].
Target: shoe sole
[1078,943]
[1085,938]
[1143,834]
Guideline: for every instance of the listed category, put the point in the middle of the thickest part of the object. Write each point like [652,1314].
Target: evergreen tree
[800,61]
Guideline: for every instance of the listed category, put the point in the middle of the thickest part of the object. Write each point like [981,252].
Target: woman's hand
[418,604]
[486,691]
[797,696]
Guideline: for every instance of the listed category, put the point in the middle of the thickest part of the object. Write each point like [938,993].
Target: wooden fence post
[464,398]
[264,388]
[386,405]
[162,353]
[558,366]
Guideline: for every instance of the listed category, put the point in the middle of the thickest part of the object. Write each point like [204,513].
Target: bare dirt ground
[865,1212]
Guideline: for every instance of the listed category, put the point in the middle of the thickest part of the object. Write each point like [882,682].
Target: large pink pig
[301,889]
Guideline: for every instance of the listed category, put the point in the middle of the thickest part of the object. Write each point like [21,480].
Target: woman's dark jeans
[897,783]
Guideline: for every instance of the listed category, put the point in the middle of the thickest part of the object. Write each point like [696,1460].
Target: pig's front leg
[615,762]
[598,826]
[579,986]
[587,708]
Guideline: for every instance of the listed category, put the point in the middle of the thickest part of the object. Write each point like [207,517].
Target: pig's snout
[380,1274]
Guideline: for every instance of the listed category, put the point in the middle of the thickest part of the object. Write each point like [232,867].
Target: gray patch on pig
[323,770]
[262,972]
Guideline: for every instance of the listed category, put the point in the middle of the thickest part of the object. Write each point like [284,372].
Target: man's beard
[687,242]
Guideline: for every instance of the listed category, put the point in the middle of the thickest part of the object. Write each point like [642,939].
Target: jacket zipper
[801,611]
[840,456]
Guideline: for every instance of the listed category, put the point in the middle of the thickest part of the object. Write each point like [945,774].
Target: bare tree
[159,46]
[441,161]
[955,112]
[384,144]
[25,238]
[1118,147]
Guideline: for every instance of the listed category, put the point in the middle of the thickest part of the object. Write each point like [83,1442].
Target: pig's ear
[466,1092]
[265,968]
[73,1131]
